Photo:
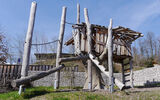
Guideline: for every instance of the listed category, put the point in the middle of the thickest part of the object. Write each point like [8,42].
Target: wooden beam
[102,68]
[89,33]
[27,44]
[73,58]
[59,46]
[110,58]
[34,77]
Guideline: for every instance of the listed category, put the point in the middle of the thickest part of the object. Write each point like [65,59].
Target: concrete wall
[141,77]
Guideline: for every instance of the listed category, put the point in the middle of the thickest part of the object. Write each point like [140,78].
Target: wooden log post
[28,41]
[59,46]
[89,33]
[76,34]
[78,14]
[131,73]
[110,58]
[34,77]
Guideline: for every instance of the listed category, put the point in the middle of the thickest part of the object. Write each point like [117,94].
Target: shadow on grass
[34,94]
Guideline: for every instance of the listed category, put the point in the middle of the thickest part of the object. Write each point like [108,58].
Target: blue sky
[139,15]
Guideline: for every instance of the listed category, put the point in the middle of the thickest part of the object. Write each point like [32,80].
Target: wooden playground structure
[94,45]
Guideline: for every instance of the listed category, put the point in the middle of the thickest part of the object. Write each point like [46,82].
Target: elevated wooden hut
[122,40]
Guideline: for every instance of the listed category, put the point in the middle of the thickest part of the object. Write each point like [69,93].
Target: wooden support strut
[59,47]
[89,31]
[28,41]
[34,77]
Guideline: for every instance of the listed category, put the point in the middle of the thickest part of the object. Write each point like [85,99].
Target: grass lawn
[47,93]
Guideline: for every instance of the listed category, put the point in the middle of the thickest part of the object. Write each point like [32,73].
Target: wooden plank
[59,47]
[114,48]
[4,71]
[15,71]
[122,50]
[82,42]
[86,45]
[12,71]
[101,40]
[97,45]
[8,72]
[1,71]
[118,49]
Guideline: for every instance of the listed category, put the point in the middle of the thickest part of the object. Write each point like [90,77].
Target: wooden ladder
[127,73]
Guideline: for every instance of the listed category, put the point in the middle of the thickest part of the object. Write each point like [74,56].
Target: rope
[69,23]
[45,43]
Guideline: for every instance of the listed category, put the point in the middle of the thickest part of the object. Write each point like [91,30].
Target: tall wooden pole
[28,41]
[59,47]
[76,34]
[78,13]
[110,58]
[89,33]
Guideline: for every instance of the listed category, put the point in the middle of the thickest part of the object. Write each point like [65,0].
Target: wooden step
[127,80]
[127,69]
[126,74]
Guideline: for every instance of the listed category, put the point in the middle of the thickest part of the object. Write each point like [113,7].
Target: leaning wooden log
[59,46]
[34,77]
[102,68]
[104,53]
[28,41]
[73,58]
